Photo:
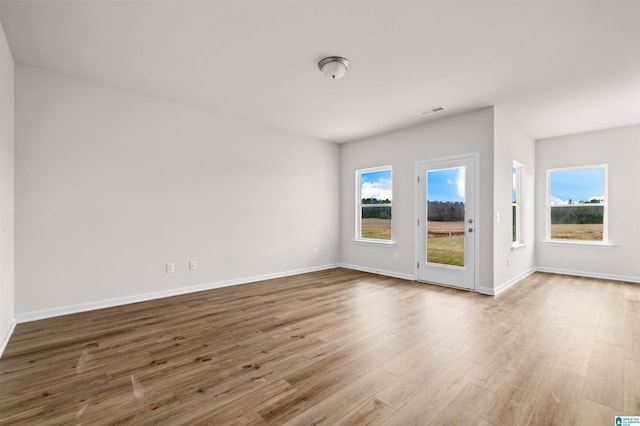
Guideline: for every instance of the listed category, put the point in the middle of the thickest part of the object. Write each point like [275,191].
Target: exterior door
[446,222]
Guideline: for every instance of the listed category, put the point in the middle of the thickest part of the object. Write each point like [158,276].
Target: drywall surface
[6,187]
[113,185]
[512,144]
[454,136]
[620,149]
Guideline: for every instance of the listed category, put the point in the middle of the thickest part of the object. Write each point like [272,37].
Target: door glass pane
[445,216]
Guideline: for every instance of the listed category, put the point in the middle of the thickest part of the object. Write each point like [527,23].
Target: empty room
[319,212]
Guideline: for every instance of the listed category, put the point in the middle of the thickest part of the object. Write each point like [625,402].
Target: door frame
[477,228]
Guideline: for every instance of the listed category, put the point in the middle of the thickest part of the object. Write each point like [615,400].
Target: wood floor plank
[558,400]
[336,347]
[593,414]
[337,405]
[372,412]
[425,406]
[605,380]
[576,355]
[516,402]
[322,382]
[468,408]
[631,387]
[403,388]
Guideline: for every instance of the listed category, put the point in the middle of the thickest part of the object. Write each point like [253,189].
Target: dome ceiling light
[334,67]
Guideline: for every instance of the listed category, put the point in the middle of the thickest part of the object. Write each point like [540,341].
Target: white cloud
[460,179]
[380,190]
[449,181]
[557,201]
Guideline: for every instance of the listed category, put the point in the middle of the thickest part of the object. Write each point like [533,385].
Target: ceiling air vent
[432,110]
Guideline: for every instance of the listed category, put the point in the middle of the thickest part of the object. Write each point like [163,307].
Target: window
[373,212]
[517,172]
[577,204]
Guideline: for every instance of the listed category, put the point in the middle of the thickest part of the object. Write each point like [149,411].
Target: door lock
[470,229]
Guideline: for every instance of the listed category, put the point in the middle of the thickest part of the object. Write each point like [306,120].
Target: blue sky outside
[576,185]
[446,184]
[513,184]
[376,185]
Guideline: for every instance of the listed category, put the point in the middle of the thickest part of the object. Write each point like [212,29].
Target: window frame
[358,236]
[605,204]
[519,169]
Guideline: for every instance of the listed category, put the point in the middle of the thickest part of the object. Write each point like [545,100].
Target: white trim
[485,290]
[476,202]
[390,243]
[605,205]
[7,336]
[578,243]
[84,307]
[359,173]
[588,274]
[400,275]
[513,281]
[518,204]
[515,246]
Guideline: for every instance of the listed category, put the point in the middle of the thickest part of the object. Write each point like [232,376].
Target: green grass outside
[384,236]
[379,229]
[446,250]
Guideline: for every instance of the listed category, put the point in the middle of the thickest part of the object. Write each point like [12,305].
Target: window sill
[600,244]
[516,246]
[390,243]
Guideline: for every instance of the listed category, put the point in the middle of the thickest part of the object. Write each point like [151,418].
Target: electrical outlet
[508,260]
[315,251]
[171,268]
[193,265]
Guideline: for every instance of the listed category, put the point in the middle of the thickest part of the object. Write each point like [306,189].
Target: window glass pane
[376,222]
[577,200]
[445,216]
[514,219]
[516,200]
[376,197]
[514,185]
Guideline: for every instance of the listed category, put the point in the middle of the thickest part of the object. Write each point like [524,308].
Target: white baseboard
[485,290]
[84,307]
[66,310]
[377,271]
[588,274]
[7,336]
[502,287]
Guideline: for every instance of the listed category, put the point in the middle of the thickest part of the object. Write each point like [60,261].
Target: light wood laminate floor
[336,347]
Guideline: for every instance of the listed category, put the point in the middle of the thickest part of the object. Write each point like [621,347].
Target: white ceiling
[556,67]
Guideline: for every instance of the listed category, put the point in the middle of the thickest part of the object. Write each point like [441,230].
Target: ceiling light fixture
[334,67]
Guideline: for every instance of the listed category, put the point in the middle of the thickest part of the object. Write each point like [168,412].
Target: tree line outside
[577,214]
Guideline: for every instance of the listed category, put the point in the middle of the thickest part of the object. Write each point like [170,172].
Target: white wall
[620,149]
[112,185]
[466,133]
[512,143]
[6,189]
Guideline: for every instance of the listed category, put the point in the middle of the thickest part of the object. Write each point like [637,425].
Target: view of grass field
[445,243]
[376,228]
[572,231]
[446,250]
